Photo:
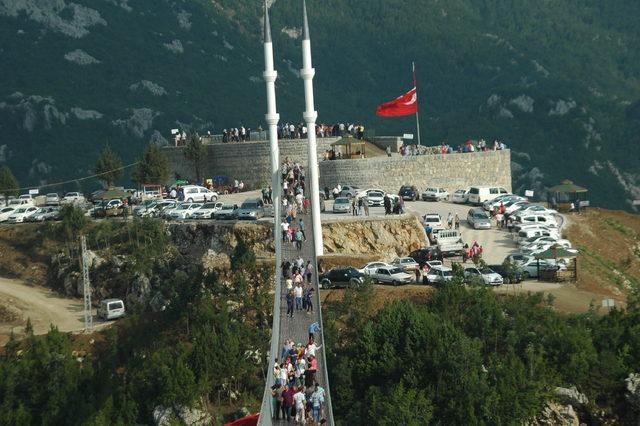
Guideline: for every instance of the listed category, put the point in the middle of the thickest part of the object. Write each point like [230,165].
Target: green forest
[468,356]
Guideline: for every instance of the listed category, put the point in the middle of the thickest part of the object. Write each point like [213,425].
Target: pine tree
[195,152]
[8,184]
[108,166]
[153,168]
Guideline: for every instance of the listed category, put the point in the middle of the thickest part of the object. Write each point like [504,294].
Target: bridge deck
[296,328]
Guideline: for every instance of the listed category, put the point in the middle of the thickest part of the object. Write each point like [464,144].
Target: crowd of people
[444,148]
[297,396]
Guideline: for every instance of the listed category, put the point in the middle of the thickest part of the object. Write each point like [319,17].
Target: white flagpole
[417,115]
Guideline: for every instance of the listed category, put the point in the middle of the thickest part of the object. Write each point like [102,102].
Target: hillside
[557,81]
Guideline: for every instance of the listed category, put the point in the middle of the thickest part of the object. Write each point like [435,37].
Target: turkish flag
[406,104]
[251,420]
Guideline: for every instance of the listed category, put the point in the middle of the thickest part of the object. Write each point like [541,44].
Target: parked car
[511,273]
[538,239]
[426,254]
[450,243]
[21,214]
[534,219]
[30,199]
[434,220]
[349,191]
[536,232]
[477,218]
[141,209]
[435,194]
[52,199]
[438,274]
[501,199]
[5,212]
[184,211]
[111,309]
[251,209]
[226,211]
[371,267]
[461,196]
[530,267]
[392,275]
[515,206]
[199,194]
[341,277]
[341,205]
[375,197]
[518,258]
[74,198]
[536,208]
[486,274]
[207,210]
[480,194]
[409,193]
[44,214]
[408,264]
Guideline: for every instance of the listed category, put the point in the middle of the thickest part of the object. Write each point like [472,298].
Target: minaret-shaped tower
[272,117]
[310,116]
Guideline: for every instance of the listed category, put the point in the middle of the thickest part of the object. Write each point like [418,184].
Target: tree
[8,184]
[153,168]
[195,152]
[108,166]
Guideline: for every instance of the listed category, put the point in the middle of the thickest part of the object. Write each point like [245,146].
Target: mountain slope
[557,81]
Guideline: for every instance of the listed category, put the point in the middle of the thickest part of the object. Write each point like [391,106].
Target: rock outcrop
[555,414]
[386,238]
[571,396]
[632,384]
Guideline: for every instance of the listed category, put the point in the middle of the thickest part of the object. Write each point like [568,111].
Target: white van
[111,309]
[480,194]
[198,194]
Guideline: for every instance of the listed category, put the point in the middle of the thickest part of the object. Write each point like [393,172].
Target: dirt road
[20,301]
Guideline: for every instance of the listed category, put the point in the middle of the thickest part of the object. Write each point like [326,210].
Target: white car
[207,210]
[375,197]
[440,274]
[408,264]
[141,209]
[434,220]
[536,232]
[500,199]
[392,275]
[435,194]
[461,196]
[21,214]
[5,212]
[487,275]
[199,194]
[43,214]
[371,267]
[226,211]
[184,211]
[349,191]
[516,207]
[537,239]
[73,197]
[539,248]
[52,199]
[535,208]
[535,219]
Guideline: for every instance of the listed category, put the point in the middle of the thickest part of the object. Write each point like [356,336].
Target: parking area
[497,243]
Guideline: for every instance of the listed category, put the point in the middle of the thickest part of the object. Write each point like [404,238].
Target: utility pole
[86,287]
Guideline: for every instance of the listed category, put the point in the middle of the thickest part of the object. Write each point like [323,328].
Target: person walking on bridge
[290,299]
[313,328]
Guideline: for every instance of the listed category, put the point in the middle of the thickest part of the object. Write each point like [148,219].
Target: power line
[70,181]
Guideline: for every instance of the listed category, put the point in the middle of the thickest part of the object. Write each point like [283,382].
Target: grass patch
[617,226]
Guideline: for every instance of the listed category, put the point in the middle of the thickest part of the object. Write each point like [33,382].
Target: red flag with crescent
[406,104]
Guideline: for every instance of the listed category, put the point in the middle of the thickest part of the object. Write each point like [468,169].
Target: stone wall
[246,161]
[450,171]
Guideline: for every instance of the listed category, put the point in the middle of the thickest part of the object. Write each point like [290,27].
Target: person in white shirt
[298,294]
[299,400]
[285,230]
[311,349]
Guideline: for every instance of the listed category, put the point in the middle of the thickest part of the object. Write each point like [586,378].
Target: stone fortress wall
[250,162]
[246,161]
[449,171]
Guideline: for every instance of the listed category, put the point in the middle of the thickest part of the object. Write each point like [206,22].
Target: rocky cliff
[384,238]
